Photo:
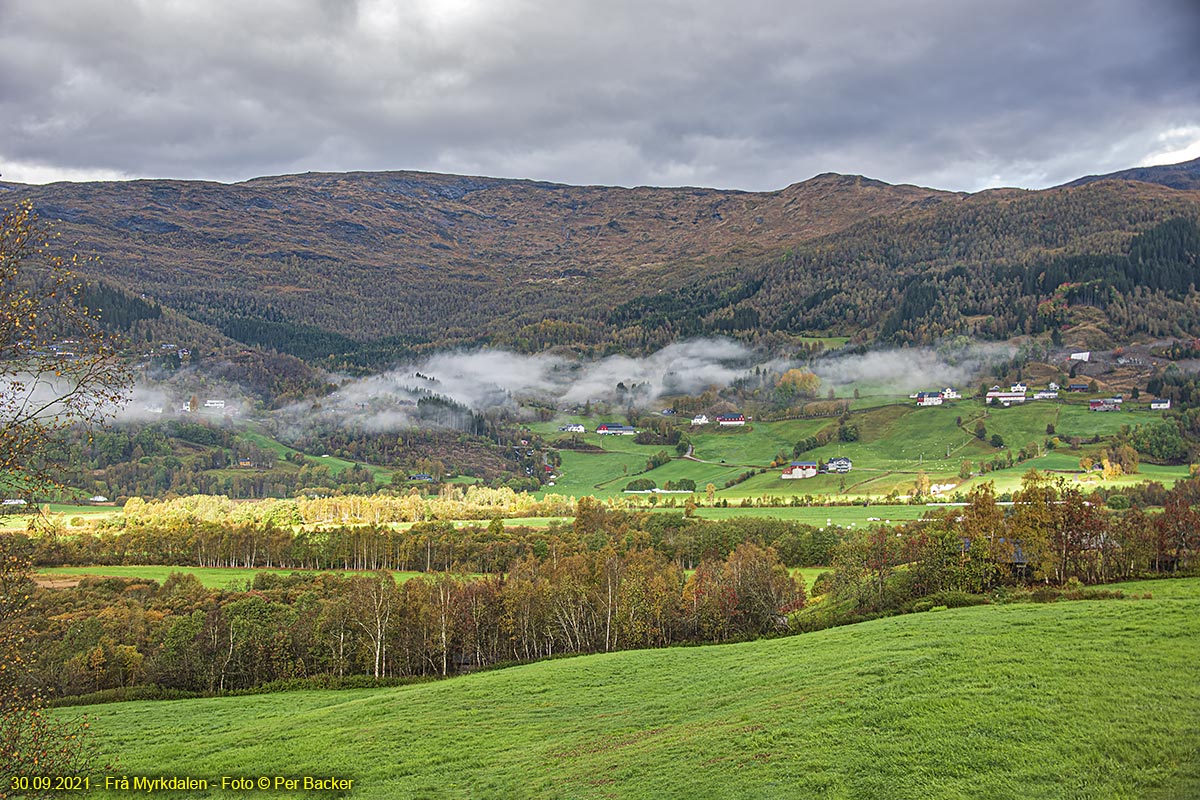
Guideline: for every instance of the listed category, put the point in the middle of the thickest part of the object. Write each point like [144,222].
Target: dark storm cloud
[954,93]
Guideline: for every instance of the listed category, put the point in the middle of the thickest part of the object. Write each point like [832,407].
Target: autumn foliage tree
[57,370]
[31,741]
[797,383]
[57,367]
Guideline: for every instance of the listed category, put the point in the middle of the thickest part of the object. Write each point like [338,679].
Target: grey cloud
[497,380]
[491,380]
[952,94]
[912,369]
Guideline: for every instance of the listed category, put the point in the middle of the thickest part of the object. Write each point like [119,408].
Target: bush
[940,601]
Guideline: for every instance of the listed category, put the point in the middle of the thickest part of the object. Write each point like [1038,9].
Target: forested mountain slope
[997,264]
[364,268]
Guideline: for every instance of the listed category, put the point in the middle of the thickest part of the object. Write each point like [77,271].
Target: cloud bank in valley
[490,381]
[495,380]
[912,369]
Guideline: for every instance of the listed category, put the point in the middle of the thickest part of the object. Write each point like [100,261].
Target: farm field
[808,575]
[1063,700]
[336,465]
[1009,480]
[211,577]
[896,441]
[509,522]
[844,516]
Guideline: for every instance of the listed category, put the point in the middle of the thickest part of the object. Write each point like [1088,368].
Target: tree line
[1052,535]
[109,633]
[273,538]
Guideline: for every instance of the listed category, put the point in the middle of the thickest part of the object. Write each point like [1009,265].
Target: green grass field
[510,522]
[896,441]
[808,575]
[212,577]
[1065,700]
[65,512]
[336,465]
[828,342]
[844,516]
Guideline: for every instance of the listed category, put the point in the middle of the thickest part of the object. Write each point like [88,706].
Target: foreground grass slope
[1071,700]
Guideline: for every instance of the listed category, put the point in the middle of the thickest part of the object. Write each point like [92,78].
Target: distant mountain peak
[1184,176]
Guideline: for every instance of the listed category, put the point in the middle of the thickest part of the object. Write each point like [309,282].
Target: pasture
[896,441]
[841,516]
[1062,700]
[210,577]
[336,465]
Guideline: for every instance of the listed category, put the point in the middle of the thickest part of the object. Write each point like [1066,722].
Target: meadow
[819,516]
[210,577]
[336,465]
[1063,700]
[896,441]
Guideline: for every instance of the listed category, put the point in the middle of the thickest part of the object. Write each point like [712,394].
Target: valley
[670,481]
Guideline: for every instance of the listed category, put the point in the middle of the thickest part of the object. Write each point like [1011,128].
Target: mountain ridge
[1184,176]
[388,262]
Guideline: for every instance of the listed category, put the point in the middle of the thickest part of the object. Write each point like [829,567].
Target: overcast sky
[955,94]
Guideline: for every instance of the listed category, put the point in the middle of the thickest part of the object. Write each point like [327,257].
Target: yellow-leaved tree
[57,366]
[57,370]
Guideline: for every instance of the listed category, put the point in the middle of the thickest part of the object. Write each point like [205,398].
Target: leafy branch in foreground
[32,742]
[57,367]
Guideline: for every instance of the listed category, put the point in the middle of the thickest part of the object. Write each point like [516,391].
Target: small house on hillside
[700,419]
[1077,387]
[950,393]
[1004,398]
[1159,404]
[839,464]
[573,428]
[615,429]
[731,419]
[1046,394]
[1106,404]
[929,399]
[800,469]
